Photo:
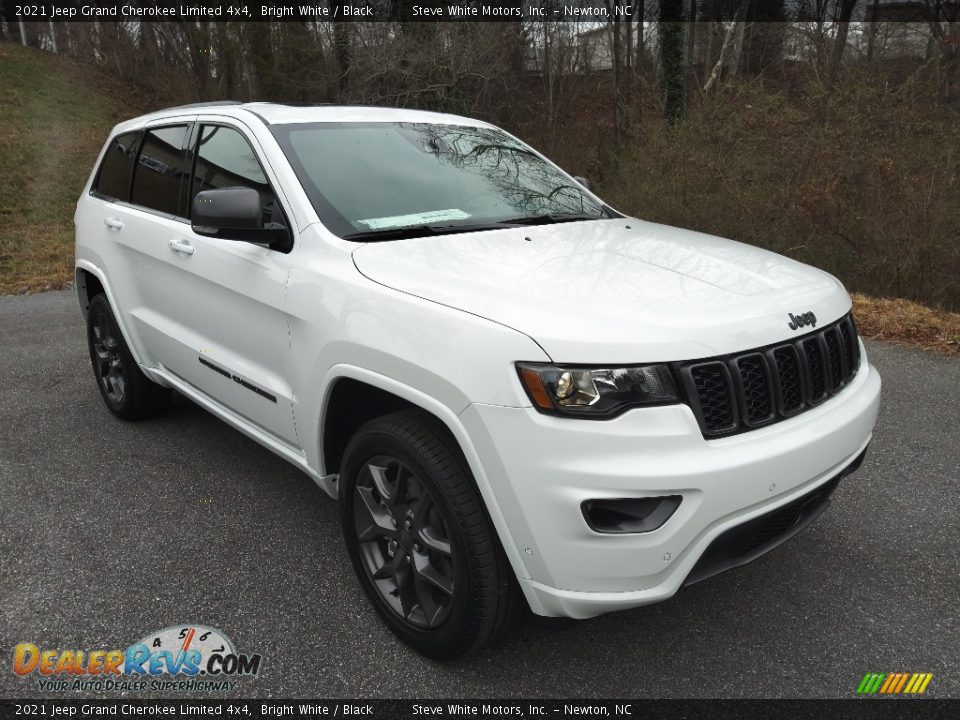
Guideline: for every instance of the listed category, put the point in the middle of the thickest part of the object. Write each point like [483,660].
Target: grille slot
[756,397]
[851,348]
[739,392]
[816,369]
[713,387]
[836,360]
[786,362]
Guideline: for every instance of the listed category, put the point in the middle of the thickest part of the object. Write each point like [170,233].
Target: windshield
[370,180]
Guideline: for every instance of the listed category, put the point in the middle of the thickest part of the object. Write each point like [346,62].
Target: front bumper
[542,468]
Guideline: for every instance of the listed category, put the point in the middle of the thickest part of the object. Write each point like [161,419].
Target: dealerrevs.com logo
[181,658]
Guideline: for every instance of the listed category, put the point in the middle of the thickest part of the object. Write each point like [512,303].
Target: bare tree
[943,17]
[844,11]
[342,48]
[671,58]
[616,61]
[691,50]
[640,63]
[732,42]
[872,27]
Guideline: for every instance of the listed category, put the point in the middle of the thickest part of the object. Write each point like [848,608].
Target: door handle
[182,247]
[113,223]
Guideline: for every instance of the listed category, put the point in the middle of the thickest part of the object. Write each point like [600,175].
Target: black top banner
[326,10]
[584,11]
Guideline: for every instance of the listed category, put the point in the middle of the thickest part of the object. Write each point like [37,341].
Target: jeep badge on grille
[799,321]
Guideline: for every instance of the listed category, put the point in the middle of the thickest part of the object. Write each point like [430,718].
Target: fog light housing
[629,515]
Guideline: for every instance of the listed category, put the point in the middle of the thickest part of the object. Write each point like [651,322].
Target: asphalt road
[110,530]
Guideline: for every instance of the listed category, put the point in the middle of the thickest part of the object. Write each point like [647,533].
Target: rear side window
[224,158]
[160,169]
[113,177]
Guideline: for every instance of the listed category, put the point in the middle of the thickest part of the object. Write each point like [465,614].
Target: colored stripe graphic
[891,679]
[894,683]
[903,681]
[866,685]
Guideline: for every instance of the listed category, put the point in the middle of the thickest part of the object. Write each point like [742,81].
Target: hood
[612,291]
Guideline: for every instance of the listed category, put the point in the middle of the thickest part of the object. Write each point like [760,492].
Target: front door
[223,300]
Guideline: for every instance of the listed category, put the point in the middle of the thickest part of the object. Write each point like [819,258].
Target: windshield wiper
[550,218]
[428,230]
[416,231]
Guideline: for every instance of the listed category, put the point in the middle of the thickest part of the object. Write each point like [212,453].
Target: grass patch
[56,116]
[907,323]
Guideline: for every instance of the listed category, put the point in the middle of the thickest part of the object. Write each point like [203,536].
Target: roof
[277,114]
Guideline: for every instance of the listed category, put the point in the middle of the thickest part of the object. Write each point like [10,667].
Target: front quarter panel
[340,318]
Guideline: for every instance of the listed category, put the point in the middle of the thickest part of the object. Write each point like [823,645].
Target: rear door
[222,301]
[140,186]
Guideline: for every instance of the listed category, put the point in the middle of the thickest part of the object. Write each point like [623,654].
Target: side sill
[294,456]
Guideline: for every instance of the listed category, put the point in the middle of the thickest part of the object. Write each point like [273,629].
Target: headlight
[596,392]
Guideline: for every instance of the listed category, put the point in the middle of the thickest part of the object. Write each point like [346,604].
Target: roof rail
[209,103]
[299,103]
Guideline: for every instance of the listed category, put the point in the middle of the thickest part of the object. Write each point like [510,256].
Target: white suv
[519,395]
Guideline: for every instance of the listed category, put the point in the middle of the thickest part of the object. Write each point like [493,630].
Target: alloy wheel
[109,361]
[404,542]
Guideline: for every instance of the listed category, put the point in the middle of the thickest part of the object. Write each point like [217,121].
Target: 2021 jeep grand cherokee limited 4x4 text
[518,395]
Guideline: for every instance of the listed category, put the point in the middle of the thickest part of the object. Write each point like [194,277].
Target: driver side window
[224,158]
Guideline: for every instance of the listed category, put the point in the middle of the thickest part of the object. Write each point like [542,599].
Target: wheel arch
[88,285]
[90,281]
[351,403]
[379,392]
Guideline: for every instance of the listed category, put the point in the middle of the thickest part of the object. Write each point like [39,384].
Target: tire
[128,393]
[420,539]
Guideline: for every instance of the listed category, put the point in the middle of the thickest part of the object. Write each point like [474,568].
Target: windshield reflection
[377,178]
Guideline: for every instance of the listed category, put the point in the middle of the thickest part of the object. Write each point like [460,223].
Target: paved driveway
[110,530]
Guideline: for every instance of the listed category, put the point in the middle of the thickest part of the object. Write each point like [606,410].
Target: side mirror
[583,181]
[235,213]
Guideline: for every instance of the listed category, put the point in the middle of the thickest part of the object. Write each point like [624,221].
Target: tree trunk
[947,38]
[952,65]
[640,62]
[872,32]
[628,55]
[671,59]
[615,28]
[342,50]
[226,61]
[262,56]
[148,53]
[201,56]
[691,51]
[640,45]
[7,13]
[739,32]
[844,13]
[547,73]
[734,34]
[721,58]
